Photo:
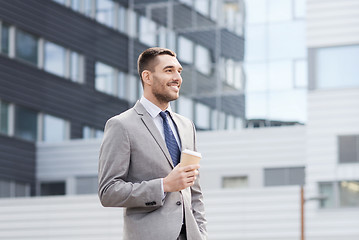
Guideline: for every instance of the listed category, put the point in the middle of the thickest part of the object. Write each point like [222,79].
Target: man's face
[166,78]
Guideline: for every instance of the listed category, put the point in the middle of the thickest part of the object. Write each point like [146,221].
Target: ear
[146,77]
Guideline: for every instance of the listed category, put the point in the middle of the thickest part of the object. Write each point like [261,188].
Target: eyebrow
[171,66]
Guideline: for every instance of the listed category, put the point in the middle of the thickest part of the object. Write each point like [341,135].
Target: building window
[104,81]
[202,6]
[86,185]
[4,117]
[13,189]
[63,62]
[89,132]
[232,13]
[203,60]
[284,176]
[132,23]
[54,59]
[89,8]
[26,47]
[122,85]
[202,116]
[5,33]
[52,188]
[348,149]
[25,123]
[185,107]
[339,194]
[77,5]
[162,37]
[5,189]
[235,182]
[55,129]
[60,1]
[147,31]
[229,72]
[133,88]
[122,19]
[76,67]
[185,50]
[21,190]
[337,67]
[105,12]
[114,82]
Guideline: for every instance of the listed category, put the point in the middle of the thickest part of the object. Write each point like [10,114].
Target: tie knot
[163,115]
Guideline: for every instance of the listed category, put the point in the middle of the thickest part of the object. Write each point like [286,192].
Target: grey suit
[133,159]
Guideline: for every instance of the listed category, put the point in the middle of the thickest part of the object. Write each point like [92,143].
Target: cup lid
[197,154]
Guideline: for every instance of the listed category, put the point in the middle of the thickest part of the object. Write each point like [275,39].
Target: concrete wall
[232,215]
[331,113]
[332,23]
[248,152]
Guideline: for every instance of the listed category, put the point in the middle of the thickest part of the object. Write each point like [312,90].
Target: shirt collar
[151,108]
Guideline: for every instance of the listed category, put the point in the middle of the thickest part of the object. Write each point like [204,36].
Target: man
[139,157]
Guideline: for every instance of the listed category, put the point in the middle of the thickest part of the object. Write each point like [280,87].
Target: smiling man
[139,156]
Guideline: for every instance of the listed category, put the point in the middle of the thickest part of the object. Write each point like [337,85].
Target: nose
[177,76]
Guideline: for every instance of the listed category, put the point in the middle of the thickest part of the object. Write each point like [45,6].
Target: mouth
[174,86]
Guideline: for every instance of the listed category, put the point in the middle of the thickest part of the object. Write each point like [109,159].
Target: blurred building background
[276,60]
[67,66]
[300,66]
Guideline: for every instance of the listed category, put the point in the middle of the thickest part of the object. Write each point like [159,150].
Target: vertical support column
[302,201]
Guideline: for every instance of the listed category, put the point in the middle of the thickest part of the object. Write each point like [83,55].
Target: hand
[180,178]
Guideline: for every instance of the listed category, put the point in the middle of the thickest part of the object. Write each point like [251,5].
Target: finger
[191,167]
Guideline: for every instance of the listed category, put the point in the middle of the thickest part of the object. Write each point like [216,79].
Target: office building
[66,66]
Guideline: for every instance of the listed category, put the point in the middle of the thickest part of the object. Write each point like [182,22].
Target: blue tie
[170,139]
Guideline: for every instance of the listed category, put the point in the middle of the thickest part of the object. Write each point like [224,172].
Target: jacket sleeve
[197,200]
[114,163]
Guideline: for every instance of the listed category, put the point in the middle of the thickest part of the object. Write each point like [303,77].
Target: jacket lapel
[150,125]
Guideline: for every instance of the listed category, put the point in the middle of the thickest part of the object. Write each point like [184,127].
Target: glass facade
[276,60]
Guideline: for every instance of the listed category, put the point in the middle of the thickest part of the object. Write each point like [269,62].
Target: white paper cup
[189,157]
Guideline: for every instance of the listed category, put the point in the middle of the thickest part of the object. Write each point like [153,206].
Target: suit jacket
[133,159]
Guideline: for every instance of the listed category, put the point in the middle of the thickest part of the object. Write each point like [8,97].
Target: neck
[162,105]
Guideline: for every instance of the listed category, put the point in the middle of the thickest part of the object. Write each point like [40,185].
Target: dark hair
[146,58]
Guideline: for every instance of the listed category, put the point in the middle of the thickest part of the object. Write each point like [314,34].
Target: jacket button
[178,203]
